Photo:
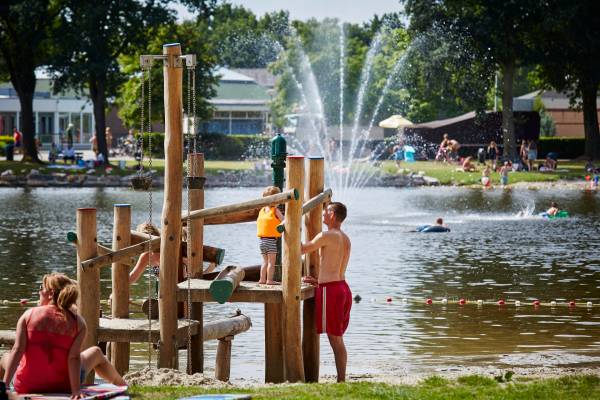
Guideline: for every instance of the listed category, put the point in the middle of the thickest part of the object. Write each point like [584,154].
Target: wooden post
[88,303]
[120,283]
[171,212]
[314,224]
[225,283]
[292,273]
[196,237]
[274,343]
[223,362]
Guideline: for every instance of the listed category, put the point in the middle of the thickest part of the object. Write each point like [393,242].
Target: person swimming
[553,210]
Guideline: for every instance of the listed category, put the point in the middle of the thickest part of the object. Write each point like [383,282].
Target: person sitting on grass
[47,356]
[467,165]
[269,218]
[549,165]
[69,155]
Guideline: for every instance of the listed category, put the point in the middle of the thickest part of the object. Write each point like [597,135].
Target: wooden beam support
[171,211]
[292,273]
[313,219]
[223,361]
[120,284]
[88,302]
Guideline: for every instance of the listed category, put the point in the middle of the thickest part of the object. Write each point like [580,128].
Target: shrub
[218,146]
[565,147]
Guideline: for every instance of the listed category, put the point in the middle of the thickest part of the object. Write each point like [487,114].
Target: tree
[26,29]
[95,34]
[569,60]
[499,32]
[193,38]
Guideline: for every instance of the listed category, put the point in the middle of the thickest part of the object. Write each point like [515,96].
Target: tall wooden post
[120,283]
[274,343]
[314,225]
[88,303]
[171,212]
[292,273]
[196,238]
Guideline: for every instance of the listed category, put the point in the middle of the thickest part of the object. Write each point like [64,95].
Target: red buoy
[429,301]
[23,301]
[572,303]
[536,303]
[462,302]
[389,299]
[501,302]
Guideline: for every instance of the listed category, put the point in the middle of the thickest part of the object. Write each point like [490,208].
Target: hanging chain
[190,235]
[140,141]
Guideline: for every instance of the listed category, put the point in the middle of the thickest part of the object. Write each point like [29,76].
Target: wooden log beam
[292,273]
[280,198]
[171,211]
[251,273]
[225,283]
[315,201]
[234,218]
[88,302]
[209,253]
[314,225]
[120,284]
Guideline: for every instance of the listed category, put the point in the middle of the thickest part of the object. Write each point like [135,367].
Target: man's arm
[316,243]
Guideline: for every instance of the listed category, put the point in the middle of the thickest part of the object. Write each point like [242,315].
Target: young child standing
[485,177]
[504,173]
[266,229]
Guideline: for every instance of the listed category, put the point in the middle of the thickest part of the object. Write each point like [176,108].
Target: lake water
[491,253]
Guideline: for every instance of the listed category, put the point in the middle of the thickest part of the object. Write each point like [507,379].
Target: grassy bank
[468,387]
[211,167]
[448,174]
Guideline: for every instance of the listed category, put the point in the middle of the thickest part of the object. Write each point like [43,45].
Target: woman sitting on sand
[46,355]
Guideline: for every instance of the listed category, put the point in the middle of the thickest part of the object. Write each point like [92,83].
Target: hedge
[219,146]
[565,147]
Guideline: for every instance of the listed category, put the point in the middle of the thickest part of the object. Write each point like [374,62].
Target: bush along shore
[115,177]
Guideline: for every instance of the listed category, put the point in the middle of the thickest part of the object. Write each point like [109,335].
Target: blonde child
[504,173]
[485,177]
[268,219]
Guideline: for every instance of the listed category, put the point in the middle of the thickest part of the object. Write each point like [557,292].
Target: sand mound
[170,377]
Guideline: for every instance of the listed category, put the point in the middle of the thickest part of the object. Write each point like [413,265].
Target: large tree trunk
[589,92]
[508,122]
[98,95]
[23,80]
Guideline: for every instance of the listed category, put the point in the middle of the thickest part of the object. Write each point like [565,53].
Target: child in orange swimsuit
[269,218]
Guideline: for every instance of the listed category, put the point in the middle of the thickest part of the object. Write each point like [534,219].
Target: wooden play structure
[291,347]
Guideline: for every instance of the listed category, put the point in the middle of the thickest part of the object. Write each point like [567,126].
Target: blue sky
[346,10]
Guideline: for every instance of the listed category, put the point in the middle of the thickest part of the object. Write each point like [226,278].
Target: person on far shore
[467,165]
[485,177]
[69,154]
[269,218]
[17,137]
[531,154]
[523,153]
[46,356]
[504,170]
[333,298]
[442,154]
[553,210]
[492,152]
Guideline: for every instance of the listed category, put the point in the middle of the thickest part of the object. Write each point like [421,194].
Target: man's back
[334,256]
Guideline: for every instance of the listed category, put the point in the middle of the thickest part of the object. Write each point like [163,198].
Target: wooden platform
[247,292]
[136,330]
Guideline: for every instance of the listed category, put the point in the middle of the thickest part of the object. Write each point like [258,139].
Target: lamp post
[278,156]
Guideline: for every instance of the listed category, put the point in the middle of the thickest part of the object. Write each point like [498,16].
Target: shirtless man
[333,298]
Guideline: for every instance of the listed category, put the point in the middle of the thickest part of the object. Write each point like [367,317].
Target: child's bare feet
[273,283]
[262,282]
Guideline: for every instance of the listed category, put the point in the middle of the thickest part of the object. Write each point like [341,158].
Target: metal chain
[189,235]
[194,108]
[140,141]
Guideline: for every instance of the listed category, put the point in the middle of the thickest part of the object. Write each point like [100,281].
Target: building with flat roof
[241,104]
[568,122]
[52,113]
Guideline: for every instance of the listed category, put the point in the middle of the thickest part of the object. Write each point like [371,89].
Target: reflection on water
[491,253]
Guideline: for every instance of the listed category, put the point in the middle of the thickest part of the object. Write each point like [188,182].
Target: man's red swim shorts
[333,301]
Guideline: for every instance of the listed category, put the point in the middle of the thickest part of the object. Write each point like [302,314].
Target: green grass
[211,167]
[448,174]
[435,388]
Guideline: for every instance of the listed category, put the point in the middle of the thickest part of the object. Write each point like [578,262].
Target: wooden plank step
[136,330]
[247,292]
